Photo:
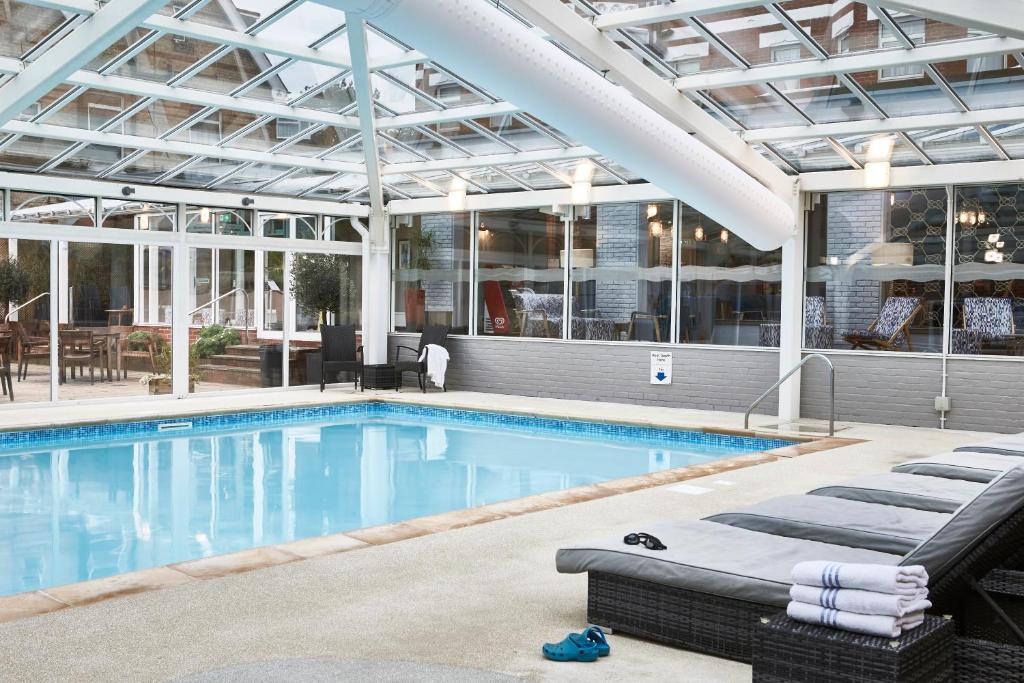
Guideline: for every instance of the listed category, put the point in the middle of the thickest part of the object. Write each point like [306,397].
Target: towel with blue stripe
[878,600]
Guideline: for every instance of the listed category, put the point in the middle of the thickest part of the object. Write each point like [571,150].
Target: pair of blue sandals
[579,647]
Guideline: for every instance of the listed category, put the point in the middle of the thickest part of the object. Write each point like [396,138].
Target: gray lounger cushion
[981,467]
[934,494]
[1011,444]
[973,522]
[712,558]
[885,528]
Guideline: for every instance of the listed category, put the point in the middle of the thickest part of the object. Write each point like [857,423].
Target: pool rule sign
[661,367]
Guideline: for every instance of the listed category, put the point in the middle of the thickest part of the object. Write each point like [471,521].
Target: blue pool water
[81,503]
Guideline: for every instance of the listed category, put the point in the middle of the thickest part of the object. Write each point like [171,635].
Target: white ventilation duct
[488,47]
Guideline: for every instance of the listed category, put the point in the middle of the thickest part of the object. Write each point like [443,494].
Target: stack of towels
[873,599]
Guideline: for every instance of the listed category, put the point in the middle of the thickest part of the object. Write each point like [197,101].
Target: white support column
[73,52]
[792,331]
[376,268]
[55,287]
[182,284]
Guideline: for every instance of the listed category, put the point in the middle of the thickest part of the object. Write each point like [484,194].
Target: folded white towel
[869,624]
[437,363]
[862,602]
[869,577]
[911,621]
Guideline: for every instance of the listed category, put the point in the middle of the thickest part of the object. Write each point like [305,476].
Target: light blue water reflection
[76,513]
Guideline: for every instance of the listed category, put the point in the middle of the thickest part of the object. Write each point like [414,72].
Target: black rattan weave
[723,626]
[982,660]
[787,650]
[978,620]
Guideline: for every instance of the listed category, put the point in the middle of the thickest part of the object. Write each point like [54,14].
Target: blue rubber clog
[575,648]
[595,635]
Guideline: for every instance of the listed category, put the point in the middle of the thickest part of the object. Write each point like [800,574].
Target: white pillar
[791,335]
[375,491]
[376,315]
[182,283]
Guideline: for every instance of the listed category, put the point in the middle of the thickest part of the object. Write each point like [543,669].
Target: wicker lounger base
[983,660]
[787,650]
[693,621]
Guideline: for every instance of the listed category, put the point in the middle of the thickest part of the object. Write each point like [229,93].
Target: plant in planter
[160,381]
[15,284]
[421,245]
[215,339]
[320,283]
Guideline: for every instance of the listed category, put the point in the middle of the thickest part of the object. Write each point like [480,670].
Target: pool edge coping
[58,598]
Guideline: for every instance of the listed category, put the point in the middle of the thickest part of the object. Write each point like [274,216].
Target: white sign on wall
[661,367]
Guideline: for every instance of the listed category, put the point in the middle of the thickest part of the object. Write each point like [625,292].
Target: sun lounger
[935,494]
[1011,444]
[978,467]
[853,523]
[707,591]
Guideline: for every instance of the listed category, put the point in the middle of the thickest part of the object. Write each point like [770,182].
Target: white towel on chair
[862,602]
[437,363]
[869,577]
[869,624]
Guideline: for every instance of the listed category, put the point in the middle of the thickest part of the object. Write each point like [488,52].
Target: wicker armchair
[432,334]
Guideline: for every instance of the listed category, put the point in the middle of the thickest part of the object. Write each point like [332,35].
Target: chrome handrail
[245,313]
[18,308]
[831,388]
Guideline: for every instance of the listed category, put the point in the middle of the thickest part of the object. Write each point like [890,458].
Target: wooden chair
[76,348]
[644,327]
[890,328]
[29,347]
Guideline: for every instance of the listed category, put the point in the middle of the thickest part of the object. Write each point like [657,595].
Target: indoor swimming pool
[85,502]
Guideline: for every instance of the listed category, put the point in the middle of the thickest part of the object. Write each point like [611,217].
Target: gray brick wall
[617,228]
[987,395]
[439,296]
[855,221]
[708,379]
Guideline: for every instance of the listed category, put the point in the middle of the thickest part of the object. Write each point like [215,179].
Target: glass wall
[24,321]
[876,265]
[431,272]
[728,290]
[988,270]
[621,274]
[521,273]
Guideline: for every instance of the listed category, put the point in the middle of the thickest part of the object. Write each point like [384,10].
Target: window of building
[914,28]
[285,129]
[875,270]
[430,272]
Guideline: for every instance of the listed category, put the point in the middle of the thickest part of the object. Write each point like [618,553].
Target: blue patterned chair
[818,334]
[891,328]
[541,315]
[986,320]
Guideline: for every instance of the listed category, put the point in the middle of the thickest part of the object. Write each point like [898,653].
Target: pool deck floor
[484,596]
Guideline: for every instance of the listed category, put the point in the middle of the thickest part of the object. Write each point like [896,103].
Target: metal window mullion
[181,286]
[674,310]
[289,320]
[55,320]
[947,300]
[567,224]
[167,175]
[474,303]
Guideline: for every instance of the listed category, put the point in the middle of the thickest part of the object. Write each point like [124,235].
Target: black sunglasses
[646,540]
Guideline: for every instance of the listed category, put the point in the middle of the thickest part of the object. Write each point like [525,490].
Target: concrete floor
[483,597]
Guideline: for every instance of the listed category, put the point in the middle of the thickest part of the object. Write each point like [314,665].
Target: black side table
[380,377]
[788,650]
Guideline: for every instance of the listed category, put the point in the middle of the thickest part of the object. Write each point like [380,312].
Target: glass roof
[258,96]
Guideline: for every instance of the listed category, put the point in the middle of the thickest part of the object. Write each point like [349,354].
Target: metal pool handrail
[245,312]
[18,308]
[831,391]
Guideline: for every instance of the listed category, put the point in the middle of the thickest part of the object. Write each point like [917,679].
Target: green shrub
[214,339]
[139,341]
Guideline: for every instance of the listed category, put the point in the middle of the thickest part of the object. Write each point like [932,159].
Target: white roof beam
[974,172]
[174,93]
[576,33]
[483,161]
[861,61]
[427,118]
[358,51]
[74,51]
[92,137]
[237,39]
[981,117]
[670,12]
[1001,17]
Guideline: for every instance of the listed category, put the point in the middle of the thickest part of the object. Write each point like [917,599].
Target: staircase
[239,365]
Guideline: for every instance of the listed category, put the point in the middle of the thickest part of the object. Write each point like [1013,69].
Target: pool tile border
[46,601]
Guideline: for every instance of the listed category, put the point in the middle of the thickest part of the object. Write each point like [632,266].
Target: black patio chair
[432,334]
[339,353]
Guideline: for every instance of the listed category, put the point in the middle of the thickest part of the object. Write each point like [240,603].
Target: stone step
[232,360]
[243,350]
[223,374]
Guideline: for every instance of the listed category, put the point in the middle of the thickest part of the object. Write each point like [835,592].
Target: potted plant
[320,284]
[15,284]
[421,245]
[160,381]
[215,339]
